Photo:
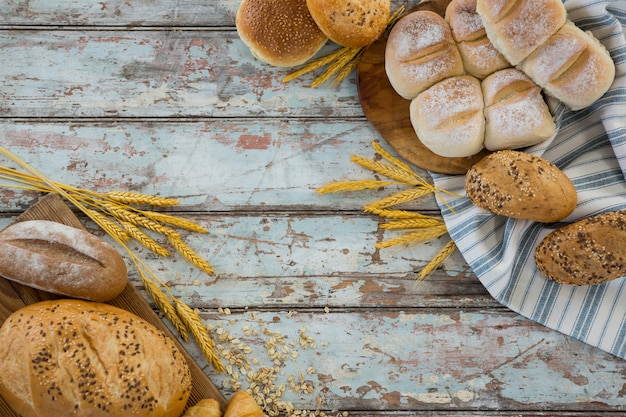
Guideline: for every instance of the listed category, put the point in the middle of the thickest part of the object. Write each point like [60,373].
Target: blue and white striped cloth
[591,149]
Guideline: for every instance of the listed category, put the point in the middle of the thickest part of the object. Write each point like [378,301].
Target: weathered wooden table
[162,97]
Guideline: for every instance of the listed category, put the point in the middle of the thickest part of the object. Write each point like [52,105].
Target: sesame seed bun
[279,32]
[351,23]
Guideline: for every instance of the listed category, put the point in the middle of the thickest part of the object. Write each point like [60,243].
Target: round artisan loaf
[572,66]
[515,110]
[517,27]
[520,185]
[587,252]
[351,23]
[61,259]
[480,57]
[420,52]
[279,32]
[71,357]
[448,117]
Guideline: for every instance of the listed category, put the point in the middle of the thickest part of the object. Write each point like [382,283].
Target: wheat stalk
[192,321]
[420,236]
[128,197]
[360,185]
[149,243]
[412,223]
[183,249]
[443,254]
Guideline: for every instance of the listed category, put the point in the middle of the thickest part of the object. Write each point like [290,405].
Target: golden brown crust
[73,357]
[279,32]
[587,252]
[351,23]
[520,185]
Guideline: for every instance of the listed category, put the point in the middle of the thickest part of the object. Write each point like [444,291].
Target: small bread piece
[587,252]
[206,407]
[515,111]
[480,57]
[420,51]
[72,357]
[61,259]
[279,32]
[448,117]
[517,27]
[242,404]
[351,23]
[572,66]
[520,185]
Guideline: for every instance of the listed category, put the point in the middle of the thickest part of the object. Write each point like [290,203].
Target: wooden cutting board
[14,296]
[388,112]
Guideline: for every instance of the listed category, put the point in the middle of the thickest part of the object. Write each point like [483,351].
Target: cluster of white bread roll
[476,77]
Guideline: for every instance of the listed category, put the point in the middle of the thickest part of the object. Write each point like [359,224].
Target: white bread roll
[515,111]
[572,66]
[279,32]
[448,117]
[351,23]
[480,57]
[420,51]
[61,259]
[518,27]
[70,357]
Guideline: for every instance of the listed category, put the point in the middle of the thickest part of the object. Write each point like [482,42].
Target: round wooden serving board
[388,112]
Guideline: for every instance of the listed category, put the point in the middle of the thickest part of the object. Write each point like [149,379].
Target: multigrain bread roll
[516,113]
[518,27]
[71,357]
[62,260]
[587,252]
[480,57]
[420,52]
[448,117]
[279,32]
[520,185]
[572,66]
[351,23]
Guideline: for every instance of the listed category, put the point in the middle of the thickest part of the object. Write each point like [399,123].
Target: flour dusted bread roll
[587,252]
[518,27]
[279,32]
[62,260]
[516,113]
[480,57]
[420,51]
[572,66]
[520,185]
[351,23]
[448,117]
[71,357]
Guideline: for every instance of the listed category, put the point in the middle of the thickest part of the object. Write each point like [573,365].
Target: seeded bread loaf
[587,252]
[61,259]
[73,357]
[520,185]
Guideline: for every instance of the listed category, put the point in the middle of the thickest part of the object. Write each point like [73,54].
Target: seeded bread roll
[522,186]
[62,260]
[71,357]
[572,66]
[279,32]
[480,57]
[587,252]
[517,27]
[351,23]
[420,52]
[516,113]
[448,117]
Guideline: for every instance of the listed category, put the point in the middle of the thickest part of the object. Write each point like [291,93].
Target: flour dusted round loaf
[587,252]
[351,23]
[420,52]
[279,32]
[72,357]
[61,259]
[520,185]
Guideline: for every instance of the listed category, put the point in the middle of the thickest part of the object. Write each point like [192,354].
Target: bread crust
[61,259]
[587,252]
[72,357]
[351,23]
[279,32]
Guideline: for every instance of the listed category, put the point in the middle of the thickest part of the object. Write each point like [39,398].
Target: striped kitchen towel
[591,149]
